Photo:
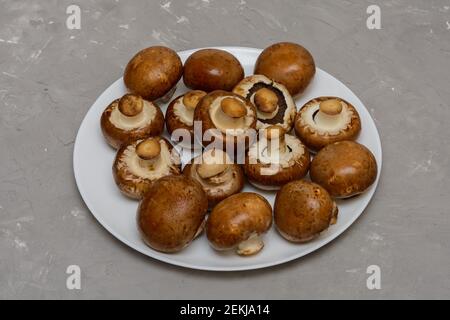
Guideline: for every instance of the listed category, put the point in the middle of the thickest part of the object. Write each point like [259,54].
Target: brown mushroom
[274,104]
[344,168]
[172,214]
[180,114]
[289,64]
[326,120]
[140,163]
[239,222]
[212,69]
[303,210]
[227,117]
[153,73]
[276,159]
[131,118]
[218,175]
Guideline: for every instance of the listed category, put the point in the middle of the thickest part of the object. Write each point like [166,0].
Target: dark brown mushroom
[289,64]
[303,210]
[239,222]
[344,169]
[153,73]
[212,69]
[172,214]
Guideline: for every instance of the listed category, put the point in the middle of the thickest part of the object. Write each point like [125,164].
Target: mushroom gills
[251,246]
[121,121]
[278,115]
[225,123]
[325,123]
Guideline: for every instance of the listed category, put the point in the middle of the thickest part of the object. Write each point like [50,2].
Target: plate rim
[166,259]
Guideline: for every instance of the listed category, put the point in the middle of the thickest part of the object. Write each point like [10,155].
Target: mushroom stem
[251,246]
[332,107]
[149,149]
[266,100]
[276,140]
[214,162]
[233,108]
[192,98]
[131,105]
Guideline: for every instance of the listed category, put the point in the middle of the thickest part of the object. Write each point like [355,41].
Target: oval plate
[93,160]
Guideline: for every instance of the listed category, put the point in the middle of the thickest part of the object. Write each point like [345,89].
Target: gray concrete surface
[49,76]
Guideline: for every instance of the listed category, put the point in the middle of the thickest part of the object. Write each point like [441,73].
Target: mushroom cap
[203,113]
[181,116]
[117,133]
[132,179]
[287,63]
[219,184]
[303,210]
[286,110]
[172,213]
[315,136]
[212,69]
[153,72]
[264,174]
[237,218]
[344,168]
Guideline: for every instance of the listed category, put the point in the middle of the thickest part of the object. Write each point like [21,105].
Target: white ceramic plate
[93,160]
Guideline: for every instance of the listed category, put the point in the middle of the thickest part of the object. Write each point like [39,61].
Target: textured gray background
[49,76]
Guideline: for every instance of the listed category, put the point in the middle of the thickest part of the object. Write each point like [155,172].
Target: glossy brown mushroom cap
[238,218]
[289,64]
[212,69]
[172,213]
[303,210]
[344,168]
[153,72]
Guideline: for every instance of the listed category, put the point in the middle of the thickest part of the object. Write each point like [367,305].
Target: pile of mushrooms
[175,202]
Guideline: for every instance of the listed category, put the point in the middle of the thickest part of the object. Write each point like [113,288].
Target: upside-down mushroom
[218,175]
[276,159]
[131,118]
[273,102]
[326,120]
[140,163]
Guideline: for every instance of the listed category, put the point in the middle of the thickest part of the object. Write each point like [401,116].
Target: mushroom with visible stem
[131,118]
[345,169]
[273,102]
[239,222]
[303,210]
[172,214]
[326,120]
[180,116]
[140,163]
[276,159]
[218,175]
[227,117]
